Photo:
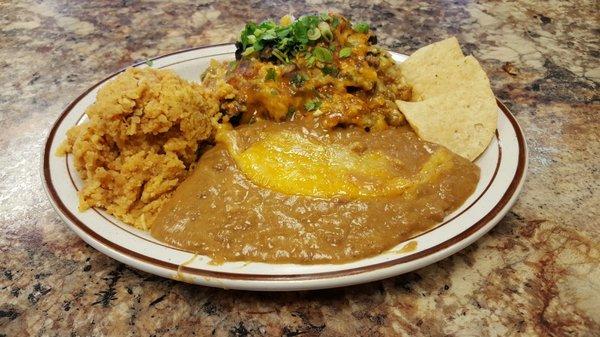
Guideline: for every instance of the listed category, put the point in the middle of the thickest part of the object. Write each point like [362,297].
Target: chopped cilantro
[345,52]
[271,75]
[361,27]
[298,80]
[309,36]
[269,35]
[335,22]
[312,105]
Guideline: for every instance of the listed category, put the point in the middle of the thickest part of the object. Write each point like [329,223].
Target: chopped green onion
[309,37]
[149,63]
[313,34]
[345,52]
[325,31]
[312,105]
[361,27]
[271,75]
[322,54]
[280,56]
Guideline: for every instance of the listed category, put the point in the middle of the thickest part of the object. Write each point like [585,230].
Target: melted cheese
[295,164]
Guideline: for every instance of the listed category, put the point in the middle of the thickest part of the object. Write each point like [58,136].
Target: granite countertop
[536,274]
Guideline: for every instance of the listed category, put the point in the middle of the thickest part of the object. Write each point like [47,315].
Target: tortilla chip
[462,73]
[453,104]
[438,55]
[461,122]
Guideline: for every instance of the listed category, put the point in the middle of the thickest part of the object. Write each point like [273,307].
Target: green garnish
[312,105]
[285,39]
[248,51]
[325,31]
[271,75]
[309,36]
[335,22]
[298,80]
[322,54]
[279,55]
[361,27]
[345,52]
[313,34]
[149,63]
[330,70]
[231,67]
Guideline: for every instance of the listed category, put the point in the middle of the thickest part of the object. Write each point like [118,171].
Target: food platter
[503,165]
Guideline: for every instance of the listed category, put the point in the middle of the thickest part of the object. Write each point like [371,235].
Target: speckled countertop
[536,274]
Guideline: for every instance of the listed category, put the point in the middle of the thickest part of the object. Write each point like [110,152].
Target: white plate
[503,167]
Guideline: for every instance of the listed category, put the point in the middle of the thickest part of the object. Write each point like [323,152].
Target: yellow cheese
[292,163]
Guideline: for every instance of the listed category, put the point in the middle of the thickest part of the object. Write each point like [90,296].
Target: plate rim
[461,239]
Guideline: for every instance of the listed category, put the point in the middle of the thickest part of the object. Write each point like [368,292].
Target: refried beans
[225,213]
